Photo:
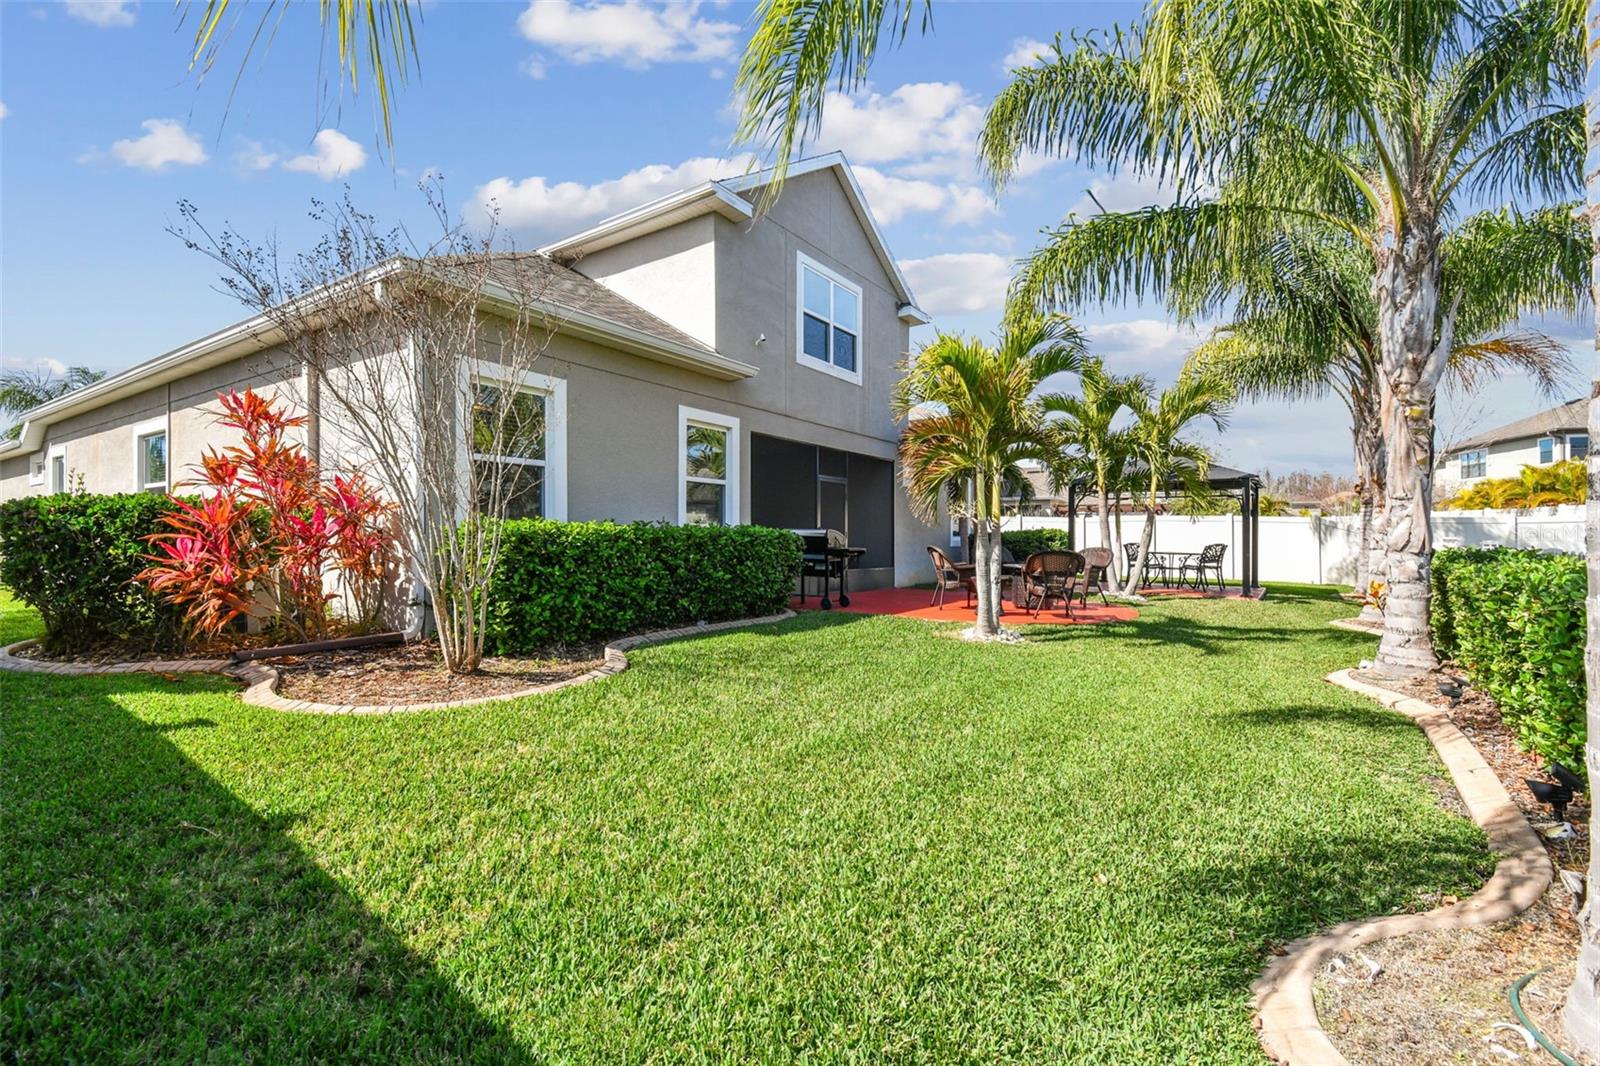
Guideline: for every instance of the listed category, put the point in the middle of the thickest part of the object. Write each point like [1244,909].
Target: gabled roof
[582,306]
[725,197]
[1572,416]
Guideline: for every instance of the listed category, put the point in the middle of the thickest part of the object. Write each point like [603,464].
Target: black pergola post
[1247,545]
[1255,534]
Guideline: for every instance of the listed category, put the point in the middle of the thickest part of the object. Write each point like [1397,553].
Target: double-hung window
[1547,450]
[1578,446]
[515,463]
[708,468]
[1474,464]
[830,321]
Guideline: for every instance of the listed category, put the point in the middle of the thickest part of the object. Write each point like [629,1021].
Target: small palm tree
[23,390]
[1165,458]
[972,417]
[1093,445]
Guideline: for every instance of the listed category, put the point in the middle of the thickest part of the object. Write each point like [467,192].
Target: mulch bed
[415,673]
[1439,996]
[114,652]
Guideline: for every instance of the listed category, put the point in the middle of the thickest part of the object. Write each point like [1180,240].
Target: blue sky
[560,113]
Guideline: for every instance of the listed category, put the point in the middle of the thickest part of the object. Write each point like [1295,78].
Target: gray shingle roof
[1570,416]
[551,282]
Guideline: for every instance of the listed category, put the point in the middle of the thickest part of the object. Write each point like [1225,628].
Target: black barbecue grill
[827,556]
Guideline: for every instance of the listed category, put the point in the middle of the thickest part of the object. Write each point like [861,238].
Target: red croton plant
[267,529]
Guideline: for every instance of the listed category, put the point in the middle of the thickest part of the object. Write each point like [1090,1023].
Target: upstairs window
[830,321]
[1547,450]
[1578,446]
[1474,464]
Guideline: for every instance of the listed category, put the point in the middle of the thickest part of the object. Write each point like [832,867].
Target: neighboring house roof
[722,197]
[1569,417]
[582,306]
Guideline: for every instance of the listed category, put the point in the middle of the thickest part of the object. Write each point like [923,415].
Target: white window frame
[149,428]
[1570,437]
[693,416]
[38,468]
[58,451]
[554,391]
[803,262]
[1540,444]
[1482,456]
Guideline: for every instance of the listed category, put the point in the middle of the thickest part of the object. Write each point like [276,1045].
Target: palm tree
[1581,1019]
[972,417]
[1164,457]
[378,31]
[1382,119]
[23,390]
[1305,326]
[1093,446]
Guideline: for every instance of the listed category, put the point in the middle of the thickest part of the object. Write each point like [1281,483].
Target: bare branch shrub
[408,348]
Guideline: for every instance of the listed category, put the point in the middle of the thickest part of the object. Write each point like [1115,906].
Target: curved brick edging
[1285,1010]
[262,680]
[9,660]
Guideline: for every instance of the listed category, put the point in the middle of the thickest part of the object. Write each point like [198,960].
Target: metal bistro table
[1172,566]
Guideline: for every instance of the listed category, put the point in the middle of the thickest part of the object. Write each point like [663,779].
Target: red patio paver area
[913,603]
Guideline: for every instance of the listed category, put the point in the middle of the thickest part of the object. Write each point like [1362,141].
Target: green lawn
[836,838]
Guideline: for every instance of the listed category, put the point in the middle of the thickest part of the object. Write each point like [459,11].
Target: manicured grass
[839,837]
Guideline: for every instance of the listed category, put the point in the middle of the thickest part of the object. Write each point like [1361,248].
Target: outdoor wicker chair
[947,575]
[1096,568]
[1050,575]
[1209,561]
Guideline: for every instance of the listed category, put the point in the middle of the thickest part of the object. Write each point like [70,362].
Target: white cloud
[537,205]
[1144,345]
[1128,192]
[1025,52]
[332,155]
[165,142]
[915,121]
[252,155]
[959,283]
[102,13]
[4,110]
[892,198]
[628,32]
[41,365]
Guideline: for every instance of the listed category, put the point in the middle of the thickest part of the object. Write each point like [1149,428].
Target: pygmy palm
[972,416]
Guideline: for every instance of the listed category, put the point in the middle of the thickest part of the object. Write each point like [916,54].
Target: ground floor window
[708,468]
[1473,464]
[1578,446]
[526,466]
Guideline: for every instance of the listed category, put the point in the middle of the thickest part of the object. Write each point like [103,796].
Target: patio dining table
[1172,565]
[1011,571]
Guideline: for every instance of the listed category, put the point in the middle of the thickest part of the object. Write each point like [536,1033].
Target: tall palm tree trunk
[1370,555]
[1103,498]
[1412,362]
[987,544]
[1582,1015]
[1136,578]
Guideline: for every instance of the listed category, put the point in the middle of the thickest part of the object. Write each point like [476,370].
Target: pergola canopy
[1222,478]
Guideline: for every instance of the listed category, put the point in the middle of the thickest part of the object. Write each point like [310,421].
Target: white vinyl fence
[1322,550]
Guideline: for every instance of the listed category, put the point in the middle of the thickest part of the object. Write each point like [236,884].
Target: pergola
[1223,479]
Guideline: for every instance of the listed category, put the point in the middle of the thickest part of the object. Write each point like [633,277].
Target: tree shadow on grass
[150,915]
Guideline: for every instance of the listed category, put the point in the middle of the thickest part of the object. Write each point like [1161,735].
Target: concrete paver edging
[261,680]
[1285,1010]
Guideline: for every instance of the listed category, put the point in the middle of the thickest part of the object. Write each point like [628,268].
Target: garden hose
[1516,1008]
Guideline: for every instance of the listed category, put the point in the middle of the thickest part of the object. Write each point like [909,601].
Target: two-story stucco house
[1538,440]
[780,333]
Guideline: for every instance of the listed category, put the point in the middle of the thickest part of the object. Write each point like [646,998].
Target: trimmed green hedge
[73,557]
[575,582]
[1515,621]
[1022,543]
